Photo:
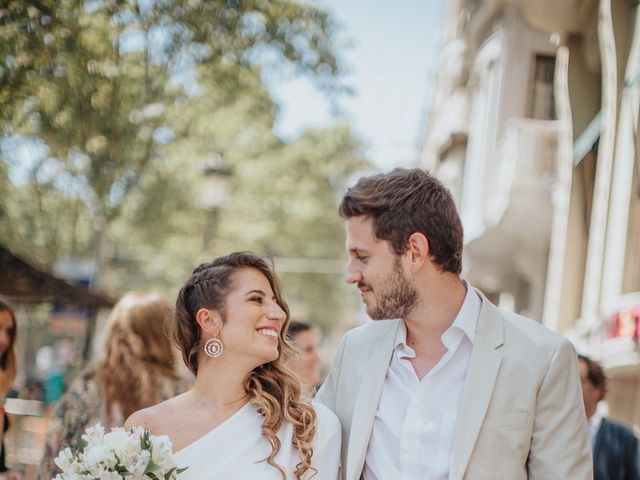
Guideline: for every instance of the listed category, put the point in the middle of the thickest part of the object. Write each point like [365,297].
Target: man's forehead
[367,244]
[360,223]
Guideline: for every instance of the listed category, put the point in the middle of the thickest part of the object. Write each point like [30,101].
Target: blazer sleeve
[560,441]
[328,391]
[633,458]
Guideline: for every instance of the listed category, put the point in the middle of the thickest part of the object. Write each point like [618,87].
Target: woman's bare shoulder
[158,418]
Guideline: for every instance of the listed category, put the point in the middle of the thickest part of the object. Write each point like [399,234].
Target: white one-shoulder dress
[236,450]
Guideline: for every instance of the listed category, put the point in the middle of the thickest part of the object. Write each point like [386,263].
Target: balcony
[552,16]
[517,183]
[559,16]
[528,150]
[508,211]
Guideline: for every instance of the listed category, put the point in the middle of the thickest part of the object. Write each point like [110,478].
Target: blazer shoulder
[617,429]
[530,331]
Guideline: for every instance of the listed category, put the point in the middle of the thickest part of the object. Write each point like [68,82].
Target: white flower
[98,457]
[111,476]
[135,452]
[126,447]
[138,469]
[94,435]
[161,453]
[67,462]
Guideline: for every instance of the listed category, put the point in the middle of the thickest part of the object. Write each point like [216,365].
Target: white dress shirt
[414,427]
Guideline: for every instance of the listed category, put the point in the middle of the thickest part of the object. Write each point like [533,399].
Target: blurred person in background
[136,368]
[305,361]
[615,447]
[8,332]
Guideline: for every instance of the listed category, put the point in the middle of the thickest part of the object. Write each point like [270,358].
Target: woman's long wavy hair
[137,350]
[271,387]
[8,358]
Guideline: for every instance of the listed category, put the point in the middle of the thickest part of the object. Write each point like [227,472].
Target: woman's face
[6,326]
[253,319]
[305,363]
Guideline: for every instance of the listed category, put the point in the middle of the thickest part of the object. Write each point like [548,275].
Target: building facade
[534,128]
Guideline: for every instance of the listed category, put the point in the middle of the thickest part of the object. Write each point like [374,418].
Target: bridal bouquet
[133,454]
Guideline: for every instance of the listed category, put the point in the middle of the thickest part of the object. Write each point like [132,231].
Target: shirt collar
[594,423]
[466,320]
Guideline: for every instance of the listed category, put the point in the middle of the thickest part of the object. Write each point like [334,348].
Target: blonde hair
[136,351]
[271,387]
[8,369]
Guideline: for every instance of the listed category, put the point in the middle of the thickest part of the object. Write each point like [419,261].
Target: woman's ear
[418,251]
[210,321]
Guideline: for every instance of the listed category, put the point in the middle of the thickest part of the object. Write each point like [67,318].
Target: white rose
[96,456]
[116,439]
[120,443]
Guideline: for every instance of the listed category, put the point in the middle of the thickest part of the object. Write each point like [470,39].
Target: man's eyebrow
[357,250]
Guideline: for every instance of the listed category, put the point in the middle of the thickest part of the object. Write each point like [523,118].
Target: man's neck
[434,314]
[436,310]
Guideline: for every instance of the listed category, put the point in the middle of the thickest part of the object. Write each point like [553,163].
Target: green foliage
[288,206]
[94,80]
[127,99]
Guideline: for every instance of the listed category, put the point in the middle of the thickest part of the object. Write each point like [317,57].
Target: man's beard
[398,297]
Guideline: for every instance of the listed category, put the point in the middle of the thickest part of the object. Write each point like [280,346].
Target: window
[542,101]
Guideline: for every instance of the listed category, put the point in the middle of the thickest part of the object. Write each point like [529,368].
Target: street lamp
[215,182]
[213,191]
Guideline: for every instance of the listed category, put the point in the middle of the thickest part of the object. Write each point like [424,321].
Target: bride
[244,417]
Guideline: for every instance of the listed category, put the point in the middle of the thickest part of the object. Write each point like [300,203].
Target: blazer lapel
[483,369]
[367,400]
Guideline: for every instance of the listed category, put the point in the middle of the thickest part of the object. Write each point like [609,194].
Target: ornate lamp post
[213,191]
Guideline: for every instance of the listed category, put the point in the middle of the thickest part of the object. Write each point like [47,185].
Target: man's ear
[417,251]
[599,393]
[210,321]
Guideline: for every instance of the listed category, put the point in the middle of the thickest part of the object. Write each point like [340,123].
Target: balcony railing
[526,163]
[531,147]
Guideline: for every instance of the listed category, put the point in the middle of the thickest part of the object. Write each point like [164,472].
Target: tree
[119,104]
[95,82]
[283,202]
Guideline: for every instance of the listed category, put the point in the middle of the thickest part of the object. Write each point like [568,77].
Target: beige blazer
[521,415]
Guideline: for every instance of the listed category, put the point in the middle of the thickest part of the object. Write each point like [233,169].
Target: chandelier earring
[213,347]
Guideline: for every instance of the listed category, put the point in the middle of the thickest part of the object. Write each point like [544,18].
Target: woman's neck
[219,386]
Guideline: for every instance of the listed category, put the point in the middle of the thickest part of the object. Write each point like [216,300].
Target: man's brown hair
[406,201]
[595,374]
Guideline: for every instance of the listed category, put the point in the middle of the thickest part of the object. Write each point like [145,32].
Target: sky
[391,58]
[390,52]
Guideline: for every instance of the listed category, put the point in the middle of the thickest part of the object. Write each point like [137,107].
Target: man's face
[378,272]
[590,393]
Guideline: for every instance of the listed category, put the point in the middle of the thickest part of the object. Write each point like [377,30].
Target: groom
[455,388]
